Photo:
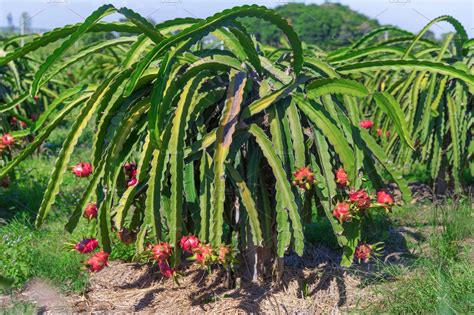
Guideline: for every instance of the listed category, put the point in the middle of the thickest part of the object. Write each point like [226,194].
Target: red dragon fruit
[203,253]
[129,168]
[384,198]
[379,133]
[189,243]
[90,212]
[366,124]
[132,182]
[162,251]
[341,177]
[360,198]
[86,245]
[303,178]
[342,212]
[363,252]
[5,182]
[7,139]
[98,261]
[131,173]
[126,236]
[165,269]
[82,169]
[224,253]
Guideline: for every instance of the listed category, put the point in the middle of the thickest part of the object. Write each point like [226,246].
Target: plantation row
[216,147]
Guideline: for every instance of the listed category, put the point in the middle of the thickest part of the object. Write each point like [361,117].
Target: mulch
[312,285]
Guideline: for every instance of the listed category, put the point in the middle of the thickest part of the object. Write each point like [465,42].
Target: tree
[330,25]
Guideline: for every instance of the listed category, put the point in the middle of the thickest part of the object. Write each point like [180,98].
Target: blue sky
[408,14]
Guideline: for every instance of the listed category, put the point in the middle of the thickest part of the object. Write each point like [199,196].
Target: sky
[411,15]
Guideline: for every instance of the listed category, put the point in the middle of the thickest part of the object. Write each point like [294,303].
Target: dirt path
[43,297]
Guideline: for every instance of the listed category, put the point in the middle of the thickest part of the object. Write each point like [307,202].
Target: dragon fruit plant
[435,107]
[23,115]
[233,145]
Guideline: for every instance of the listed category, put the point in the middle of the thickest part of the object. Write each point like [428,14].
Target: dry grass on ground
[139,288]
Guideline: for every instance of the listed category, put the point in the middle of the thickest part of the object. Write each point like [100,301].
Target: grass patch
[28,252]
[441,279]
[18,308]
[26,191]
